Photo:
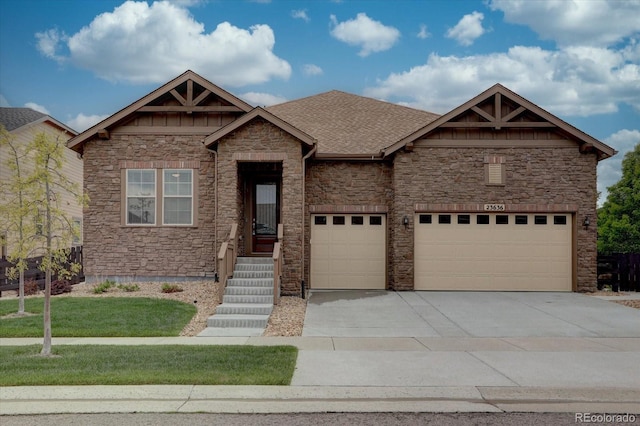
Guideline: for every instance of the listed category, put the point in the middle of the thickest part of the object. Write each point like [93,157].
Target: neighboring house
[497,194]
[24,124]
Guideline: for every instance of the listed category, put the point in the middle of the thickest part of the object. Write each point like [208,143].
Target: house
[24,124]
[497,194]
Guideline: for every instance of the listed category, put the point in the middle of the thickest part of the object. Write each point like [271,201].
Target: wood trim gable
[186,104]
[497,121]
[264,114]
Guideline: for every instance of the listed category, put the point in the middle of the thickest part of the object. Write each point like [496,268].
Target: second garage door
[507,252]
[348,251]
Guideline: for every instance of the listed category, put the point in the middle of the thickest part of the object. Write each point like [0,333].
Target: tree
[17,210]
[49,185]
[619,217]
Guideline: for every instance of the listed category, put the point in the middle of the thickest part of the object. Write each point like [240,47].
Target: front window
[141,197]
[178,197]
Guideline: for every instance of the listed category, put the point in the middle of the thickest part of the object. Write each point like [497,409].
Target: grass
[98,317]
[146,365]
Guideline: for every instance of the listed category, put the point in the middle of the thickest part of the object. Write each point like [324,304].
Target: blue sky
[81,61]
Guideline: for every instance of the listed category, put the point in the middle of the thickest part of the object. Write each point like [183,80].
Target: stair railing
[227,259]
[278,261]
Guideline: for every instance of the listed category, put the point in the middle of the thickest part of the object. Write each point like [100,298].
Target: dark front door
[266,215]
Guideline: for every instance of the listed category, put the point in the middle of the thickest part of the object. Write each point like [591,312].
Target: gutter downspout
[215,211]
[304,184]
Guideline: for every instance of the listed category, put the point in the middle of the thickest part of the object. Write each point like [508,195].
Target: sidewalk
[573,374]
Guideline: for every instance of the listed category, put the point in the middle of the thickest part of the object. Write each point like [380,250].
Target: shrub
[30,288]
[129,287]
[171,288]
[60,286]
[103,286]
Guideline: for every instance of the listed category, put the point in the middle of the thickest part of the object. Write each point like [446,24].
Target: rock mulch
[286,319]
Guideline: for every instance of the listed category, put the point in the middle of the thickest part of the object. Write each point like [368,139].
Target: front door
[266,215]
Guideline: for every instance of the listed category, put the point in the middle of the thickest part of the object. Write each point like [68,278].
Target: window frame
[126,197]
[158,170]
[165,196]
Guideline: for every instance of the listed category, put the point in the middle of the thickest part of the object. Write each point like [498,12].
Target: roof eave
[213,138]
[77,142]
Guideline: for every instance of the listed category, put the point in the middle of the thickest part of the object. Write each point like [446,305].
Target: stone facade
[342,183]
[112,249]
[534,176]
[261,137]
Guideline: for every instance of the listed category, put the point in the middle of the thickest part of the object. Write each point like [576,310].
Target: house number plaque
[494,207]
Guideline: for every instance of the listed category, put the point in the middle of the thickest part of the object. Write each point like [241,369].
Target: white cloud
[423,33]
[48,42]
[262,99]
[610,170]
[139,43]
[575,22]
[468,29]
[300,14]
[82,122]
[4,102]
[37,107]
[571,82]
[371,36]
[311,69]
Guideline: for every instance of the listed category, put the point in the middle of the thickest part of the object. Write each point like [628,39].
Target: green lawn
[145,365]
[98,317]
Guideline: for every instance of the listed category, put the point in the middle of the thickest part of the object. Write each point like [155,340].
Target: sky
[81,61]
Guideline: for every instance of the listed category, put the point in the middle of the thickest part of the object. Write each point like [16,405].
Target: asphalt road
[350,419]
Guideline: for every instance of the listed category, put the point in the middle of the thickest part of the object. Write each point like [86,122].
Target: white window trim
[155,197]
[164,196]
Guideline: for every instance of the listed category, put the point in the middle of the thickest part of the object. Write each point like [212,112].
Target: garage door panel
[348,256]
[493,256]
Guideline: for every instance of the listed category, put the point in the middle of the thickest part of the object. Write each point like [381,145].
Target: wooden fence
[620,271]
[33,273]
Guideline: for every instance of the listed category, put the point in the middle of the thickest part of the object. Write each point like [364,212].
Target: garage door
[348,251]
[519,252]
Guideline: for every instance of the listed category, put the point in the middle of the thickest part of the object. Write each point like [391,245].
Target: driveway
[466,314]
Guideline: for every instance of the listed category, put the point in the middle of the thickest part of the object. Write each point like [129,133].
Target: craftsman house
[23,124]
[497,194]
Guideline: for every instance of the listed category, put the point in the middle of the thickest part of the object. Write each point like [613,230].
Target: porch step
[249,291]
[231,332]
[250,282]
[247,301]
[253,274]
[232,298]
[237,320]
[245,308]
[253,267]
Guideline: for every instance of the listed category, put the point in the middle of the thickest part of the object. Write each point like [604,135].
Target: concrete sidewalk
[379,375]
[410,351]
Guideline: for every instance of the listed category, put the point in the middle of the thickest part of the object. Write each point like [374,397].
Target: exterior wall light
[586,222]
[405,221]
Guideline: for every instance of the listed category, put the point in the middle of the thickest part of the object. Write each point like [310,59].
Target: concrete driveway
[466,314]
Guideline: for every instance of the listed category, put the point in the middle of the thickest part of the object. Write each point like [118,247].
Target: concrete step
[230,332]
[257,267]
[250,282]
[238,321]
[232,298]
[254,260]
[244,309]
[249,291]
[253,274]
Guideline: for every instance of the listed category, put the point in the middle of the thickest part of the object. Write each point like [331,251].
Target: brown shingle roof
[344,123]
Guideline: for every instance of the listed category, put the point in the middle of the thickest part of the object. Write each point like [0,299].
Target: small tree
[619,217]
[17,211]
[47,186]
